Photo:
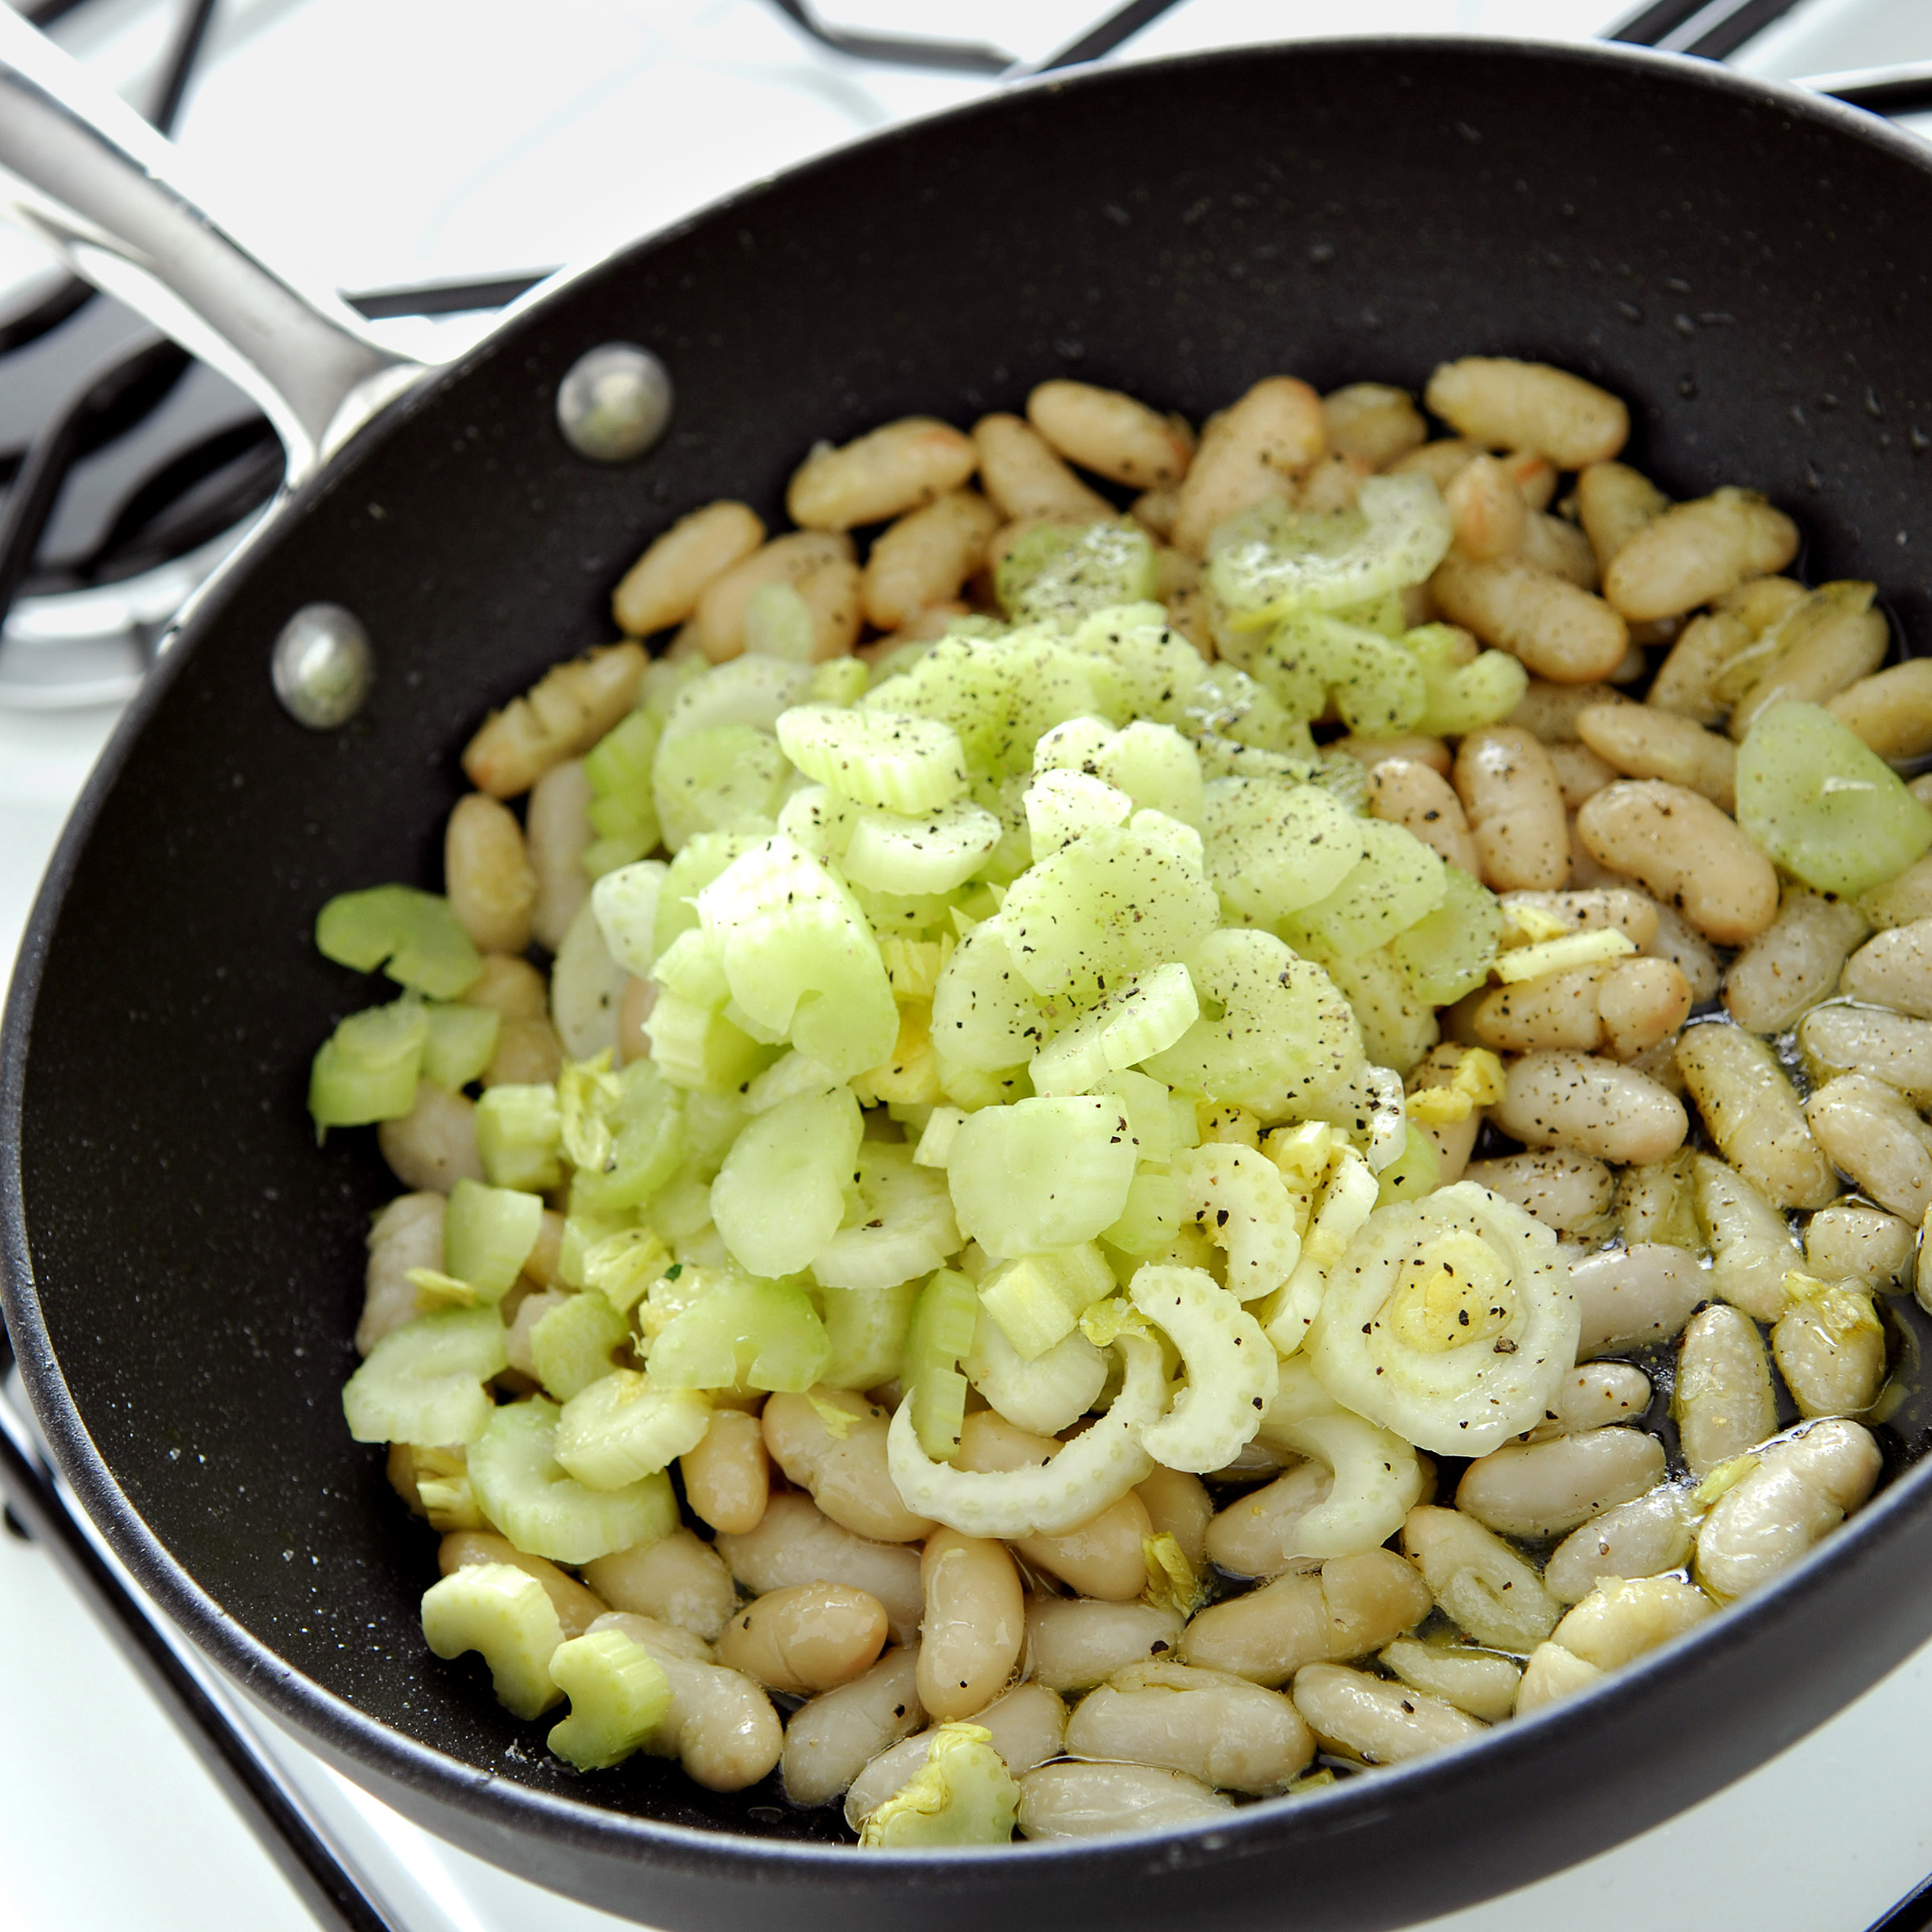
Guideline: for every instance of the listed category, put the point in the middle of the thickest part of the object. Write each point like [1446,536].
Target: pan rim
[340,1727]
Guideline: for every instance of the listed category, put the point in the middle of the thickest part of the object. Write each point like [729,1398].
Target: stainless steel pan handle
[80,171]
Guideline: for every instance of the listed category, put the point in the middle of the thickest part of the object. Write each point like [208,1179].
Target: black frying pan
[1752,269]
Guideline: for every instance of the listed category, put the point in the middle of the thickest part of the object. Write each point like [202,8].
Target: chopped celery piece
[729,778]
[892,761]
[642,1142]
[778,623]
[787,1078]
[523,1488]
[1047,1394]
[367,1069]
[867,1328]
[1272,561]
[623,811]
[1110,904]
[938,1340]
[1149,1223]
[620,1267]
[519,1136]
[1160,1124]
[626,903]
[1038,1300]
[488,1234]
[1312,660]
[984,1016]
[840,681]
[1062,806]
[1273,848]
[742,1334]
[618,1695]
[1275,1034]
[505,1613]
[780,1195]
[424,1382]
[963,1795]
[413,934]
[933,852]
[1449,953]
[696,1047]
[1156,767]
[1823,804]
[460,1044]
[819,821]
[800,956]
[902,1227]
[1232,1372]
[1040,1173]
[1153,669]
[1397,880]
[1229,704]
[1463,697]
[1144,1015]
[586,989]
[573,1344]
[1058,572]
[620,1427]
[701,860]
[1397,1026]
[1417,1170]
[753,690]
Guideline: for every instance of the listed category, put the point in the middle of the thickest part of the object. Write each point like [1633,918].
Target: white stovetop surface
[498,115]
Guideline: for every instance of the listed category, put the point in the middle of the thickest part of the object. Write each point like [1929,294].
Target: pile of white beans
[1723,1127]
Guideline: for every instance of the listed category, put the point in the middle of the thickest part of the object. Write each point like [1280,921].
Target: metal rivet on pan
[323,666]
[615,403]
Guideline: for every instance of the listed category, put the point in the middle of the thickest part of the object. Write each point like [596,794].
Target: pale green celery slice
[1412,1316]
[901,1226]
[935,1145]
[1275,1034]
[963,1795]
[1224,757]
[586,987]
[1226,702]
[937,1340]
[692,966]
[521,1487]
[575,1345]
[1110,904]
[696,1047]
[1145,1013]
[1823,805]
[816,819]
[621,1427]
[1174,838]
[1062,806]
[1417,1170]
[892,761]
[742,1334]
[1041,1173]
[1242,1203]
[1397,1027]
[367,1069]
[788,1076]
[1074,745]
[730,778]
[867,1328]
[622,810]
[780,1195]
[488,1233]
[460,1043]
[1092,1471]
[1271,561]
[1376,687]
[412,934]
[800,955]
[1152,1218]
[1161,1125]
[423,1382]
[621,1265]
[751,690]
[1273,848]
[932,853]
[506,1614]
[901,915]
[1005,797]
[520,1136]
[1156,767]
[1349,1199]
[1037,1300]
[1449,952]
[841,681]
[1462,698]
[984,1015]
[778,623]
[1047,1394]
[644,1141]
[1377,1480]
[701,860]
[970,1088]
[618,1695]
[1231,1370]
[712,1122]
[1397,882]
[1059,573]
[627,903]
[664,678]
[1153,668]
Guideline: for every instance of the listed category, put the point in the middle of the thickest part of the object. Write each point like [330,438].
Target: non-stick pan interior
[1754,279]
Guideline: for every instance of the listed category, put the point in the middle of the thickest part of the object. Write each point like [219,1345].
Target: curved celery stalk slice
[1378,1479]
[1047,1394]
[1397,882]
[1156,767]
[1062,806]
[1058,573]
[488,1234]
[1350,1197]
[507,1614]
[755,689]
[702,859]
[817,820]
[1231,1373]
[1449,953]
[729,778]
[413,934]
[742,1334]
[521,1487]
[519,1136]
[1145,1015]
[623,811]
[627,903]
[424,1382]
[867,1329]
[1041,1173]
[645,1141]
[572,1345]
[940,1335]
[1274,847]
[1037,1300]
[696,1047]
[902,1229]
[1462,697]
[892,761]
[618,1695]
[1153,669]
[780,1195]
[1241,1200]
[984,1016]
[1093,1471]
[367,1069]
[933,852]
[460,1042]
[963,1795]
[621,1427]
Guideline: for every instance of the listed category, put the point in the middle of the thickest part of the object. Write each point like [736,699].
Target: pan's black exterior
[184,1267]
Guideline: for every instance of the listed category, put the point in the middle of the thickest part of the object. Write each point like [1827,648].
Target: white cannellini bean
[1794,962]
[1580,774]
[882,474]
[1250,1536]
[1894,969]
[1689,952]
[1684,681]
[1722,1401]
[1622,1618]
[1027,1724]
[1178,1504]
[664,586]
[1801,1489]
[1681,849]
[1511,405]
[1515,809]
[1621,907]
[975,1623]
[1591,1106]
[1827,643]
[1642,1003]
[1373,752]
[1752,1246]
[1073,1643]
[1593,1397]
[679,1580]
[1026,480]
[1632,1296]
[1561,550]
[793,1543]
[1550,711]
[727,1475]
[1478,1682]
[1755,1115]
[926,557]
[1891,710]
[1478,1579]
[1552,1675]
[1253,450]
[1375,1721]
[721,1726]
[407,1233]
[1560,630]
[491,887]
[1557,1010]
[805,1638]
[1355,1605]
[1641,742]
[1694,552]
[1486,508]
[1907,898]
[1097,1801]
[1111,434]
[1887,1047]
[831,1739]
[1849,1241]
[1614,502]
[557,836]
[1374,422]
[1228,1732]
[794,559]
[1643,1537]
[1565,1192]
[846,1474]
[1831,1350]
[1874,1133]
[1422,801]
[1544,1488]
[433,1145]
